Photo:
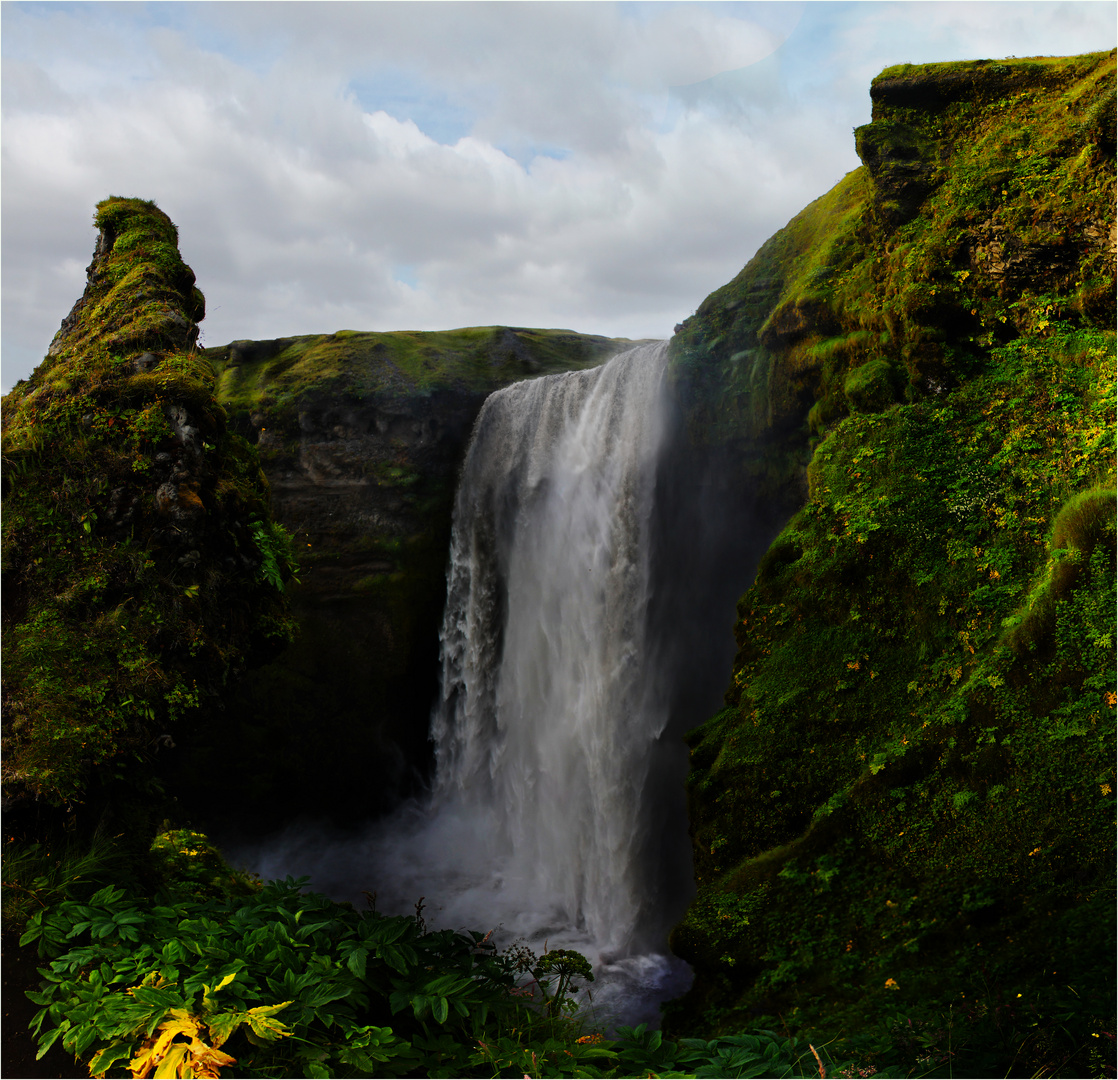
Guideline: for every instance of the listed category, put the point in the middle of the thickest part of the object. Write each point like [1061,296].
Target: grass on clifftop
[276,375]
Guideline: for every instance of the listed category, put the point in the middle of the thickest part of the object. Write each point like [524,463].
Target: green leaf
[393,957]
[103,1060]
[48,1041]
[324,993]
[439,1009]
[33,932]
[356,961]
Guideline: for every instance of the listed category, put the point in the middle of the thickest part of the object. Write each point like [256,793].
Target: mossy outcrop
[141,568]
[905,811]
[1010,164]
[361,436]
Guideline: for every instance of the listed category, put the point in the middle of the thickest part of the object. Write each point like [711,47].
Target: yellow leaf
[262,1024]
[209,991]
[141,1064]
[174,1064]
[221,1027]
[163,1040]
[193,1058]
[224,1024]
[208,1066]
[268,1010]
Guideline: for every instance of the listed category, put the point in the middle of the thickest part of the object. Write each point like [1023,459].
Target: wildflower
[589,1040]
[891,984]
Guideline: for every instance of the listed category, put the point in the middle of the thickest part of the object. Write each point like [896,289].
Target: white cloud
[303,149]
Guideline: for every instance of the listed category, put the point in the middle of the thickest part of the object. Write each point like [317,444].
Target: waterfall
[545,724]
[546,822]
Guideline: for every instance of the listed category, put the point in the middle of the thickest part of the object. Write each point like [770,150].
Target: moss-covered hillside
[279,375]
[905,811]
[361,436]
[141,568]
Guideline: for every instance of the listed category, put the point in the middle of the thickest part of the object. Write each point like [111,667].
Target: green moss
[276,376]
[1084,519]
[911,788]
[870,387]
[135,581]
[1002,183]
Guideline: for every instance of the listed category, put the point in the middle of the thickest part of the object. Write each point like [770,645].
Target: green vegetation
[278,376]
[904,816]
[215,975]
[37,876]
[140,566]
[1012,173]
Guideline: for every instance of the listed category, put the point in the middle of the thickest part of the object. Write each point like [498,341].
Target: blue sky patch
[405,96]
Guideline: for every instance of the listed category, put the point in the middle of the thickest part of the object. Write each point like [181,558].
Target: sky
[594,166]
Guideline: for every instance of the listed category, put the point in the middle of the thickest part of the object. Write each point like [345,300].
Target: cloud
[422,166]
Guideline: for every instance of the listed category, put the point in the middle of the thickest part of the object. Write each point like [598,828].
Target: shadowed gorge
[361,436]
[871,806]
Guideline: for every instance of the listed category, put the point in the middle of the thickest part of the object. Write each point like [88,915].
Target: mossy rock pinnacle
[141,568]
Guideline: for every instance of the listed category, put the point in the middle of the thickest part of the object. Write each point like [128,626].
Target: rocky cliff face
[361,436]
[141,568]
[906,806]
[1009,166]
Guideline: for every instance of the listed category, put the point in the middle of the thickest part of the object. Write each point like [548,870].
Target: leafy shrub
[286,983]
[205,979]
[757,1053]
[189,865]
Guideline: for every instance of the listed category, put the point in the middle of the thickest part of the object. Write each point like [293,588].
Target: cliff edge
[904,815]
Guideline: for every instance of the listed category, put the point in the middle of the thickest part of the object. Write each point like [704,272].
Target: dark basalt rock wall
[361,436]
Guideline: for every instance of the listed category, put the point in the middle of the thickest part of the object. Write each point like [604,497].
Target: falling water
[544,726]
[547,724]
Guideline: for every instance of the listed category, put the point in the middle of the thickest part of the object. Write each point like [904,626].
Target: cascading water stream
[544,727]
[539,823]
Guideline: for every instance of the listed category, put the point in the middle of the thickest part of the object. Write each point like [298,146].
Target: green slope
[905,811]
